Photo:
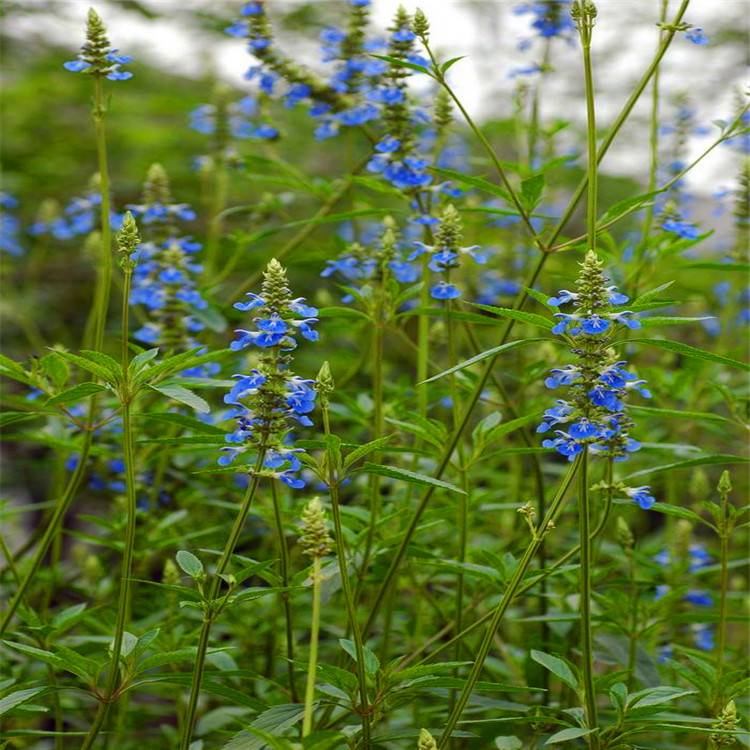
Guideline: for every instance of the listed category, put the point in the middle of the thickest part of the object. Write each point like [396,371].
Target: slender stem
[446,456]
[123,604]
[218,204]
[313,659]
[721,628]
[211,611]
[378,427]
[423,340]
[351,610]
[587,647]
[614,129]
[543,575]
[105,262]
[633,624]
[500,610]
[285,599]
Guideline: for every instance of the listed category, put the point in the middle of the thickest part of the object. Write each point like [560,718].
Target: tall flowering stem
[267,403]
[584,14]
[316,543]
[127,241]
[325,386]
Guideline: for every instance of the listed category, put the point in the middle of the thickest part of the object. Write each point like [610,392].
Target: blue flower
[444,290]
[641,496]
[696,36]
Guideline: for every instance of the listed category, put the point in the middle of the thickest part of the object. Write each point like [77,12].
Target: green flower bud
[315,539]
[624,535]
[426,741]
[420,25]
[725,484]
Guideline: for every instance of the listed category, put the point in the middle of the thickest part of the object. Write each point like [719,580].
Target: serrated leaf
[372,663]
[410,476]
[531,191]
[184,396]
[365,450]
[76,393]
[140,360]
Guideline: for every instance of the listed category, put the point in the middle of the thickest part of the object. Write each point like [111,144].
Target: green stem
[446,456]
[285,598]
[423,341]
[105,262]
[721,642]
[500,610]
[123,604]
[614,129]
[351,610]
[313,659]
[543,575]
[587,647]
[210,613]
[215,225]
[633,624]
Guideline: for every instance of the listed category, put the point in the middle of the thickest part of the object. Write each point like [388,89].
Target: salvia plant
[364,421]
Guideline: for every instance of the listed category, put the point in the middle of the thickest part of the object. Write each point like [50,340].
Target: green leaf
[680,414]
[76,393]
[523,317]
[140,360]
[95,368]
[557,666]
[372,663]
[652,293]
[13,370]
[692,352]
[626,206]
[365,450]
[678,511]
[184,396]
[397,62]
[508,742]
[182,420]
[531,191]
[410,476]
[718,266]
[475,182]
[10,701]
[484,355]
[716,458]
[661,320]
[565,735]
[446,66]
[55,368]
[189,563]
[8,418]
[342,312]
[656,696]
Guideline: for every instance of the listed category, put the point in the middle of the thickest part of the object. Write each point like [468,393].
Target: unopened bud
[315,540]
[426,741]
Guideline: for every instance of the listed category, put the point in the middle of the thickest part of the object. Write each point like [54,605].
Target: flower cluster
[79,217]
[594,416]
[236,119]
[549,19]
[164,276]
[445,254]
[97,56]
[270,400]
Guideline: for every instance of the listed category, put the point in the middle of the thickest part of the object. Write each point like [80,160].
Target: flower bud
[426,741]
[315,539]
[420,25]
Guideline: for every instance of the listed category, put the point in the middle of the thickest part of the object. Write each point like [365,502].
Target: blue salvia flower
[549,19]
[10,226]
[594,416]
[271,400]
[446,254]
[696,35]
[80,216]
[97,57]
[241,118]
[164,276]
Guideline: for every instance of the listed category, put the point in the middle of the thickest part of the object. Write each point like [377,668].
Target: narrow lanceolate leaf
[9,702]
[719,458]
[410,476]
[521,316]
[76,393]
[669,320]
[531,191]
[102,371]
[365,450]
[565,735]
[485,355]
[476,182]
[692,352]
[184,396]
[680,414]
